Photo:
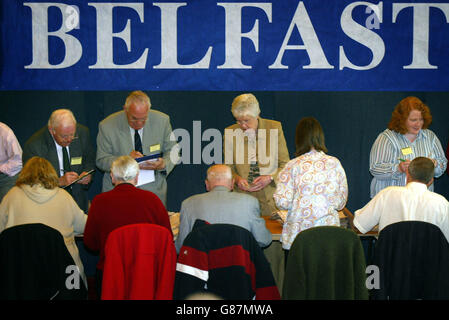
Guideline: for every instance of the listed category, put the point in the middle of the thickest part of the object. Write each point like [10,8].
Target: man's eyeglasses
[68,136]
[138,120]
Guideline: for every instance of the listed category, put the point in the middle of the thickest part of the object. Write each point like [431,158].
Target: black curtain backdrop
[351,122]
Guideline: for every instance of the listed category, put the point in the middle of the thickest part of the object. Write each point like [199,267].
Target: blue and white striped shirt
[387,149]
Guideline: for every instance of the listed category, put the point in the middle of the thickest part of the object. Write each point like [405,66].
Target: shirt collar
[416,186]
[220,189]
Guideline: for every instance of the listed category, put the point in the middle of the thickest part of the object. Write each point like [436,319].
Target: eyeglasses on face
[68,136]
[244,121]
[134,120]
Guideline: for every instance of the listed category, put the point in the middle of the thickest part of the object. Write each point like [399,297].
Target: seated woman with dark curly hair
[406,138]
[36,198]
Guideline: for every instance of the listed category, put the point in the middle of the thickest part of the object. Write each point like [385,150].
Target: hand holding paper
[156,164]
[85,178]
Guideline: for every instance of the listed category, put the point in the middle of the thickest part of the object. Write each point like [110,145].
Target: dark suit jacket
[41,144]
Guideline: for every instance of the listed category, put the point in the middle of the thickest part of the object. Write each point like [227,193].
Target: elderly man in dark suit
[67,146]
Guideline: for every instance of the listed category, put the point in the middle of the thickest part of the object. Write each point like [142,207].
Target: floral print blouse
[313,188]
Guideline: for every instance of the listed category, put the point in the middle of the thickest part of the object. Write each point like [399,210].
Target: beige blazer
[272,156]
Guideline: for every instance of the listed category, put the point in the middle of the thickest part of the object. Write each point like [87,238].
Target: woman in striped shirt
[406,138]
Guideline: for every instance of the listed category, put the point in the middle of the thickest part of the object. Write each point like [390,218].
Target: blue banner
[277,45]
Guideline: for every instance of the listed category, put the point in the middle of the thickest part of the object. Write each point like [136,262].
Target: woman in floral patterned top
[312,187]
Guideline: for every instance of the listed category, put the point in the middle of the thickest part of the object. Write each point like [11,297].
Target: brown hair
[421,169]
[402,111]
[38,170]
[309,134]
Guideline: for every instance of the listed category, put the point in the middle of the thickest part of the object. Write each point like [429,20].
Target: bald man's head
[219,175]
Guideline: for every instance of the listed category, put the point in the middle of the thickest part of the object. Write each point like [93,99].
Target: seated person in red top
[123,205]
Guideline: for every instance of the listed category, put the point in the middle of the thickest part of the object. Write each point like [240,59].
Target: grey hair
[245,105]
[137,96]
[60,116]
[124,168]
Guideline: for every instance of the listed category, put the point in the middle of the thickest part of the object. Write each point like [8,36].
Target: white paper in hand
[145,176]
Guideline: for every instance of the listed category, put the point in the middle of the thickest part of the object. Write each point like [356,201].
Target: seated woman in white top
[36,198]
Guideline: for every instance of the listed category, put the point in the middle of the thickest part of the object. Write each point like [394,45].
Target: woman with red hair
[406,138]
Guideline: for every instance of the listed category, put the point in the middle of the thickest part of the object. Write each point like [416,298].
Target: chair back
[325,263]
[35,264]
[413,262]
[140,262]
[225,260]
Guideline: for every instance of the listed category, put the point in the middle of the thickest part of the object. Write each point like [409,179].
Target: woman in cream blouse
[312,187]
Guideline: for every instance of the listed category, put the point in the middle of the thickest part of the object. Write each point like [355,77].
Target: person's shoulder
[156,114]
[4,129]
[390,133]
[104,196]
[392,192]
[82,128]
[195,198]
[113,118]
[437,197]
[238,196]
[427,133]
[37,136]
[271,123]
[147,195]
[329,157]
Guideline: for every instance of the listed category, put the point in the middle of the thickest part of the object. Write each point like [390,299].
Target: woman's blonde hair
[38,170]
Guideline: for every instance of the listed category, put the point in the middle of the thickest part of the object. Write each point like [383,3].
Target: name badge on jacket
[76,161]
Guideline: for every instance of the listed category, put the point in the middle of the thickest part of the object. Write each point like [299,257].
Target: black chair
[225,260]
[413,262]
[36,265]
[325,263]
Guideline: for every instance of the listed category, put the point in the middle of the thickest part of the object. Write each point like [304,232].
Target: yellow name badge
[406,151]
[76,161]
[155,147]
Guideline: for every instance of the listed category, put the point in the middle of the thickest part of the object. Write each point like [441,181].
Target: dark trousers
[285,258]
[98,282]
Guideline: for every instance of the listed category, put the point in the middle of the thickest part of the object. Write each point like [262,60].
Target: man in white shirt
[412,202]
[10,159]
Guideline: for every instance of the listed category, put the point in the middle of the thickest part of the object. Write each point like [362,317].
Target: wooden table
[274,226]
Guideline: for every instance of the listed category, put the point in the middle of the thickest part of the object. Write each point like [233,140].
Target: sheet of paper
[145,176]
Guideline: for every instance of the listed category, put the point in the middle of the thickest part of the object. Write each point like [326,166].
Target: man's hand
[241,183]
[67,178]
[135,154]
[159,164]
[86,179]
[403,166]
